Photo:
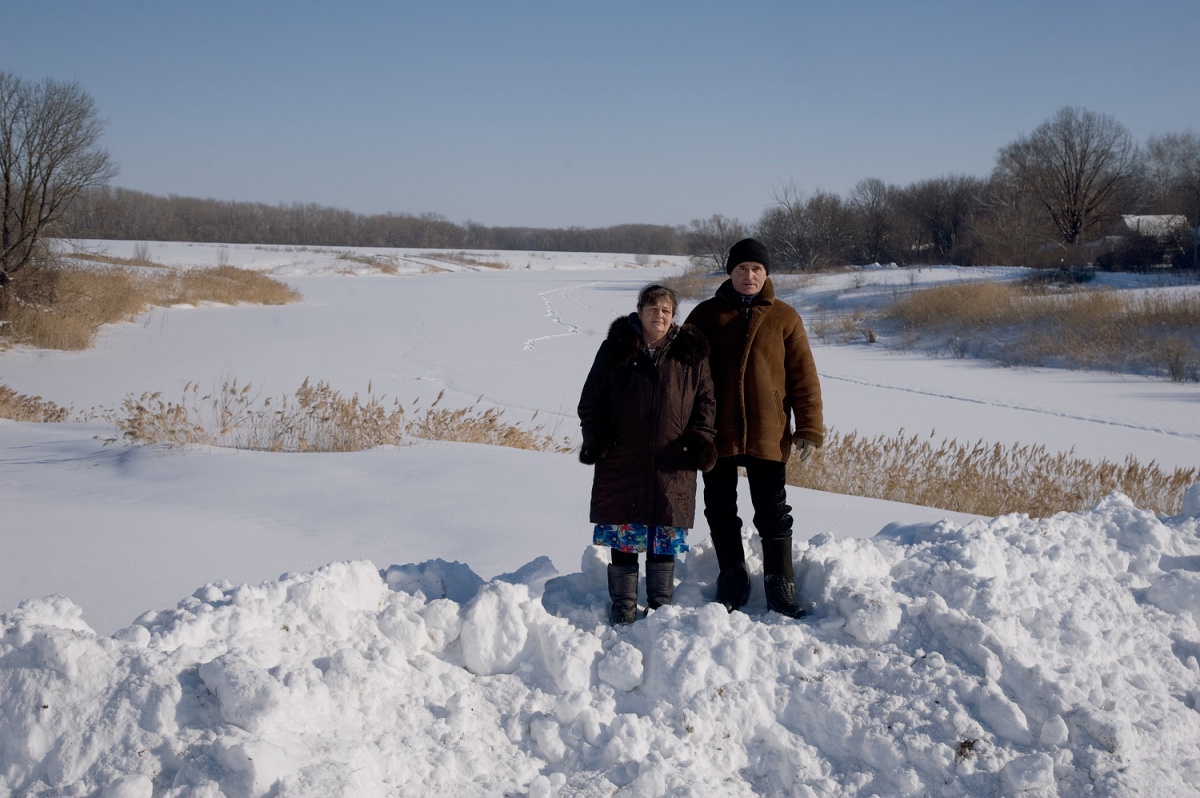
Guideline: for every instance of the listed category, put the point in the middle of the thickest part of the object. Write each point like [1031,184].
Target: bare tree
[874,204]
[940,213]
[1076,164]
[1012,225]
[782,229]
[831,229]
[709,240]
[810,232]
[49,153]
[1173,171]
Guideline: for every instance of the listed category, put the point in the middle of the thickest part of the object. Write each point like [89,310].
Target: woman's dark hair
[655,292]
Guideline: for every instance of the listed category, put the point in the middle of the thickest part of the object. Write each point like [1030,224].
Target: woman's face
[748,278]
[656,318]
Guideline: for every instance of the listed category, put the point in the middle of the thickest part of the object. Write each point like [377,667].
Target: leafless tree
[1012,226]
[874,204]
[1173,173]
[49,153]
[831,229]
[940,215]
[1076,164]
[709,240]
[808,232]
[783,229]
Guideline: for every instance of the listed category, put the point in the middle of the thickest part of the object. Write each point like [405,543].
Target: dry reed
[386,264]
[696,283]
[315,418]
[72,303]
[984,479]
[1023,325]
[979,478]
[464,259]
[22,407]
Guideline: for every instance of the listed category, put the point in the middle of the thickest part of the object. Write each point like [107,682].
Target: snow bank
[1055,656]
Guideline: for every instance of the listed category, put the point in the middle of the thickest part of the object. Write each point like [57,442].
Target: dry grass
[22,407]
[1021,325]
[315,418]
[465,259]
[984,479]
[694,283]
[384,263]
[139,259]
[64,307]
[842,328]
[979,478]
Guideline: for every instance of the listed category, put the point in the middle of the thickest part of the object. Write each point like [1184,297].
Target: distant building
[1160,226]
[1146,241]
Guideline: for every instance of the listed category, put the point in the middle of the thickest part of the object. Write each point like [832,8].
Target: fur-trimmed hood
[685,343]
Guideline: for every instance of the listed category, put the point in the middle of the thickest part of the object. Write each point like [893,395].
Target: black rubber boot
[733,582]
[779,577]
[733,586]
[660,583]
[622,589]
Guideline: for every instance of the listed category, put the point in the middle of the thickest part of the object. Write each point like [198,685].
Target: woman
[647,413]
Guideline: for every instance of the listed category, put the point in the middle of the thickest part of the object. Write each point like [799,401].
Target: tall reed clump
[316,418]
[22,407]
[63,307]
[695,283]
[1032,325]
[983,479]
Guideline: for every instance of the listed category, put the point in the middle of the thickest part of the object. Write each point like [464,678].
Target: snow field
[433,634]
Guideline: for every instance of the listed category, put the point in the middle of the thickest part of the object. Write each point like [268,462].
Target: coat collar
[685,343]
[766,296]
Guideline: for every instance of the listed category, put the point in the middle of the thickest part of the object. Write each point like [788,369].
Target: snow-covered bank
[1051,657]
[440,633]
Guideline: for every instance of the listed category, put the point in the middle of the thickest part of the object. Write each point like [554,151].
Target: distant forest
[1061,195]
[123,214]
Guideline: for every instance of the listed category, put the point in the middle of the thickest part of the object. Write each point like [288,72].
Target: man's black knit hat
[748,249]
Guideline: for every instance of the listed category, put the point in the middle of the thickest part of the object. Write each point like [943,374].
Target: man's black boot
[779,577]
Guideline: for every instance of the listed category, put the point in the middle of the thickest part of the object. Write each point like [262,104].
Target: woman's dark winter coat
[647,426]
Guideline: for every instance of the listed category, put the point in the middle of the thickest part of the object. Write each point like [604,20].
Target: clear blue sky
[588,114]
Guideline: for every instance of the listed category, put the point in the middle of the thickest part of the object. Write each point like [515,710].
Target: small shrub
[1179,359]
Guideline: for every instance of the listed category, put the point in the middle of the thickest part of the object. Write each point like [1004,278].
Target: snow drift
[1055,656]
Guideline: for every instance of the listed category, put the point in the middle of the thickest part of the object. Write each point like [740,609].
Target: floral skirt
[642,537]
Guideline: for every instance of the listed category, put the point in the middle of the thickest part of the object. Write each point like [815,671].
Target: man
[764,378]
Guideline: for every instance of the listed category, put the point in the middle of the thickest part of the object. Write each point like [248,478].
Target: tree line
[124,214]
[1053,198]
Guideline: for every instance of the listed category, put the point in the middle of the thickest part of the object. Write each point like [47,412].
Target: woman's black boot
[660,583]
[622,589]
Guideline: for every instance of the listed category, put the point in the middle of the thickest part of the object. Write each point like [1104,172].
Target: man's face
[748,277]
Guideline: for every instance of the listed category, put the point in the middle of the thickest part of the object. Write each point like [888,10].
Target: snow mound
[1053,656]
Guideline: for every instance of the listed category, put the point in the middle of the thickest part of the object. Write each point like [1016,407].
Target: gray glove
[802,449]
